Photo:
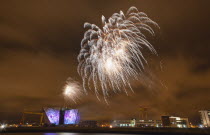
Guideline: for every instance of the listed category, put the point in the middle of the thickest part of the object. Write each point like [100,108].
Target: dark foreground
[189,131]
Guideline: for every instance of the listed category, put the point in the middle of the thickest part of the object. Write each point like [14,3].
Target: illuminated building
[171,121]
[205,117]
[53,115]
[149,123]
[71,116]
[124,123]
[61,116]
[137,123]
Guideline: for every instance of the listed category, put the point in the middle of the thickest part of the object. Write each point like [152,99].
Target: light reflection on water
[79,134]
[62,134]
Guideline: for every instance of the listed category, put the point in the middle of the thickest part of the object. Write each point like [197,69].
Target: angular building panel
[53,115]
[71,116]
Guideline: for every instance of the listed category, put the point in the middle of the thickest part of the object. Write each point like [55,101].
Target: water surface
[64,134]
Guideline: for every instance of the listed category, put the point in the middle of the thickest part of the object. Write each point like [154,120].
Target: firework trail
[111,56]
[72,90]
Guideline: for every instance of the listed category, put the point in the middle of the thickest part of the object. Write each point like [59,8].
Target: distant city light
[3,126]
[201,126]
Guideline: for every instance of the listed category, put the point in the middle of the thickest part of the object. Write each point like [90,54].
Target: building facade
[124,123]
[61,116]
[205,117]
[137,123]
[149,123]
[175,122]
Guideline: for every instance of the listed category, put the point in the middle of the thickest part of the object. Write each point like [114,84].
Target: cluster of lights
[3,126]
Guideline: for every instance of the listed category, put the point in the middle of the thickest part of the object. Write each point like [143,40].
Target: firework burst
[72,90]
[111,56]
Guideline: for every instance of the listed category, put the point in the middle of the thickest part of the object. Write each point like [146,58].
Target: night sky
[40,41]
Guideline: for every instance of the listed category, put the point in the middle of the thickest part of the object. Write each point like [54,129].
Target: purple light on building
[71,116]
[53,115]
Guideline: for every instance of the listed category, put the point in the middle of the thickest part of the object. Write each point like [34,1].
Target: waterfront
[62,134]
[105,131]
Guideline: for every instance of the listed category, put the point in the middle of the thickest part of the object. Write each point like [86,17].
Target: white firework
[111,56]
[72,90]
